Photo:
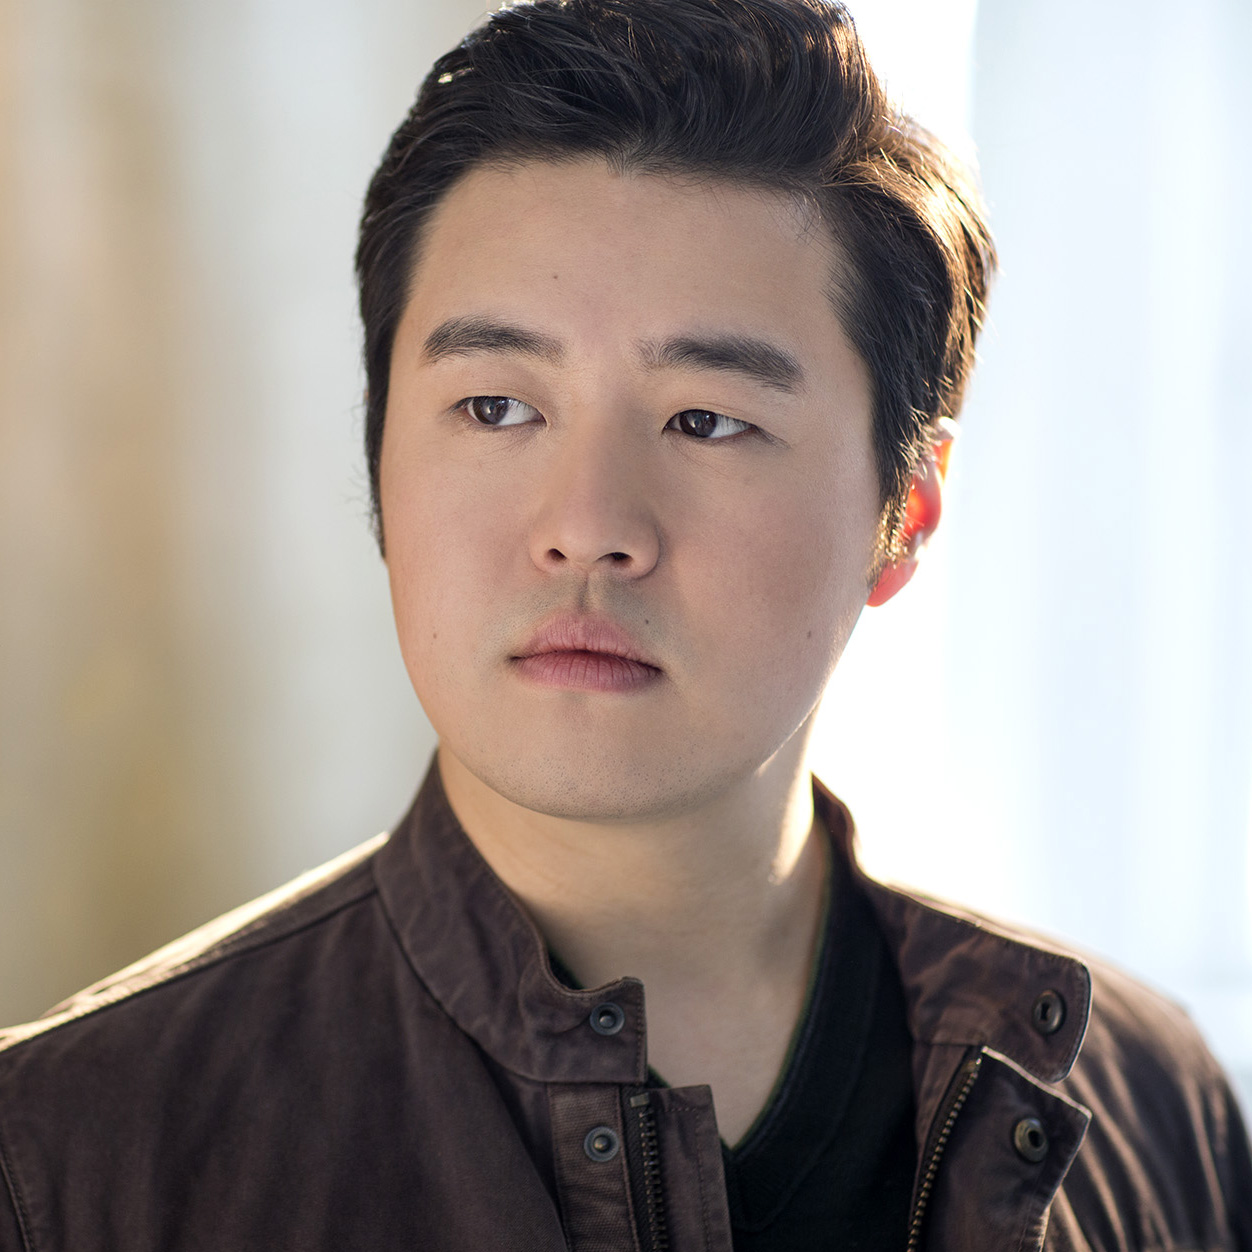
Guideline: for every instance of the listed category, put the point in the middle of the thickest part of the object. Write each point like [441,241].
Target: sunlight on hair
[921,49]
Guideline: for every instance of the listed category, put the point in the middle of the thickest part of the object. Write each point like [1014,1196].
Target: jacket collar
[486,964]
[970,981]
[966,980]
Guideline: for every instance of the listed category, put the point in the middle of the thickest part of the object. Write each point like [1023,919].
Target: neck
[719,883]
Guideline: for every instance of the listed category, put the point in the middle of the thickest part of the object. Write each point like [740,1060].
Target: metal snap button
[601,1143]
[1048,1013]
[607,1018]
[1031,1140]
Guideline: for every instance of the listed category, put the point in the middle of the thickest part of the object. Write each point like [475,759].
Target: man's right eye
[500,411]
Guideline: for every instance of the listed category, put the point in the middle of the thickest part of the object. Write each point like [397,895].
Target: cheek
[439,558]
[791,578]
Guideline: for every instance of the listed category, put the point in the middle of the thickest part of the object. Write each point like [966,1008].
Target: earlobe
[891,580]
[922,512]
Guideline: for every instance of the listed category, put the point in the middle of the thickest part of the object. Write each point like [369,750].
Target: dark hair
[774,94]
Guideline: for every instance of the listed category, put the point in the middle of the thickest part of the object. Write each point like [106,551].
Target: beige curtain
[199,694]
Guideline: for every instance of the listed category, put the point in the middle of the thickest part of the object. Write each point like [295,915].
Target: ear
[922,512]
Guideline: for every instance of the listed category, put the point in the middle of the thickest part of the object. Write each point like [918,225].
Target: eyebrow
[755,359]
[461,335]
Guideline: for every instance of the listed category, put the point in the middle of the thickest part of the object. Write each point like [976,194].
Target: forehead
[598,254]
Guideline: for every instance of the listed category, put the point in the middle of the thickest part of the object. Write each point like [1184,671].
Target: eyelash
[473,403]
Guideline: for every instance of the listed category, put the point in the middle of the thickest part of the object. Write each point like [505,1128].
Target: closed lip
[583,633]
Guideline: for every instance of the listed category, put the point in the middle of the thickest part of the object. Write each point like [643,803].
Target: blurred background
[200,694]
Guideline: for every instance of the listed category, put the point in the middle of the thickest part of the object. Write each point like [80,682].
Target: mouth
[580,653]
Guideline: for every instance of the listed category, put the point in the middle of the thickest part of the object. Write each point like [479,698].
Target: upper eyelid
[494,395]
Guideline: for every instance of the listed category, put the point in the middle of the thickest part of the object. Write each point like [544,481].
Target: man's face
[628,485]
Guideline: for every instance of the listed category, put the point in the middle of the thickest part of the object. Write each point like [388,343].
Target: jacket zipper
[654,1237]
[958,1092]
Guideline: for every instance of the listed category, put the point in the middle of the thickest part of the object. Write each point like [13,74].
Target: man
[667,316]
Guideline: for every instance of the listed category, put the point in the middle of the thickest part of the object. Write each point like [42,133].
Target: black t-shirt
[830,1161]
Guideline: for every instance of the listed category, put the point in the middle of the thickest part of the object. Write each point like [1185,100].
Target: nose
[595,513]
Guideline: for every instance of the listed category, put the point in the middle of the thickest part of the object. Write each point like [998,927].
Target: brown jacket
[378,1057]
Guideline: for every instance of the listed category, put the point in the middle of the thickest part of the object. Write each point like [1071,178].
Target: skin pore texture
[630,508]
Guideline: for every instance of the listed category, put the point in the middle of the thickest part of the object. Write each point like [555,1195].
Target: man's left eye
[705,424]
[499,410]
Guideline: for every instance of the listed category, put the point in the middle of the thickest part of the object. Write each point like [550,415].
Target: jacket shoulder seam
[267,919]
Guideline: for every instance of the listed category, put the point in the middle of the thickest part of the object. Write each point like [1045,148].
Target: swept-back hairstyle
[774,94]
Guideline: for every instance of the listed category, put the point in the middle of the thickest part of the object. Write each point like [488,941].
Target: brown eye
[705,424]
[499,411]
[697,422]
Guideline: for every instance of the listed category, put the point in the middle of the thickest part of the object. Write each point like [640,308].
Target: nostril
[628,562]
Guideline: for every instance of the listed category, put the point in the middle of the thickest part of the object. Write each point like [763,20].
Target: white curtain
[1068,738]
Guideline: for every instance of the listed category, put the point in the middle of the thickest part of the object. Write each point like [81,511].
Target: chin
[589,788]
